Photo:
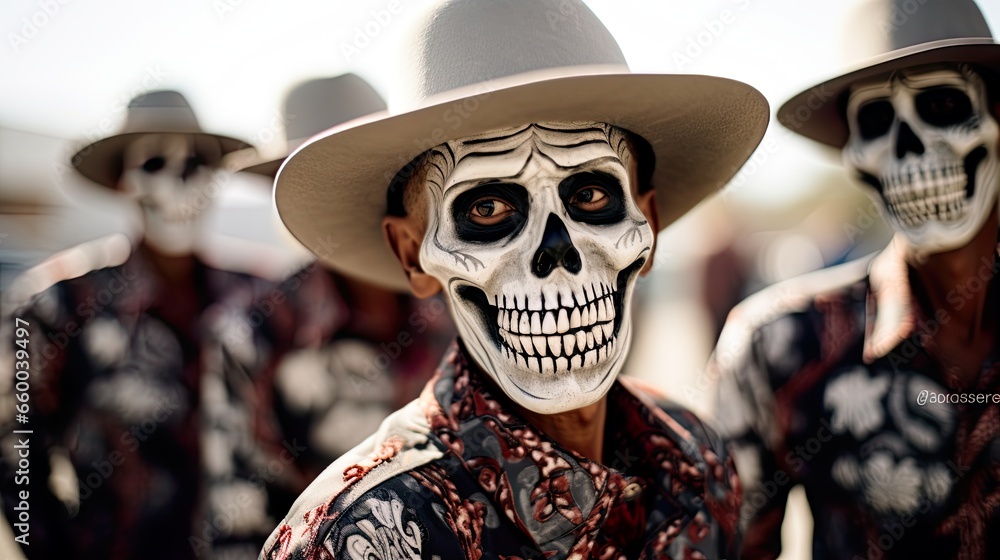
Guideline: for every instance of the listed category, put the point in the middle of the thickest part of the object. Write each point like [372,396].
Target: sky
[69,67]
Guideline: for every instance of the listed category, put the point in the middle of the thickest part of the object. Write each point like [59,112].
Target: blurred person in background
[119,353]
[875,384]
[321,361]
[496,187]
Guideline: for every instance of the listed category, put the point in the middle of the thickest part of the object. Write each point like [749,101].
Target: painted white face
[169,180]
[536,237]
[925,140]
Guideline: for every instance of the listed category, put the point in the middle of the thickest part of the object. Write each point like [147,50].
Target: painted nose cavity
[907,141]
[555,250]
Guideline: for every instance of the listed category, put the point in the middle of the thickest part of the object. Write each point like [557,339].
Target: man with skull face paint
[118,377]
[529,191]
[874,384]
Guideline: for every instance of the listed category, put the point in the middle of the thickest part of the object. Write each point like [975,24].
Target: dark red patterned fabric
[475,480]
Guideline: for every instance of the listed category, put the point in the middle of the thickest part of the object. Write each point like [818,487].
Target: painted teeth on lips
[579,331]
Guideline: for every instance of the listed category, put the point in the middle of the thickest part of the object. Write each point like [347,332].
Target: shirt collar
[552,492]
[892,312]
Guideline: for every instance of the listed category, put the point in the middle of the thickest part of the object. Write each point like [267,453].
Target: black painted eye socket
[943,106]
[593,198]
[490,212]
[154,164]
[191,165]
[875,118]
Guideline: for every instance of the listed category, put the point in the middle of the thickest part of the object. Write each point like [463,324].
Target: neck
[957,281]
[176,270]
[580,430]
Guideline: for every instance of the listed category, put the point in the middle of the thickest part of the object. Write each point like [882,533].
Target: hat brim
[101,161]
[269,167]
[816,112]
[331,193]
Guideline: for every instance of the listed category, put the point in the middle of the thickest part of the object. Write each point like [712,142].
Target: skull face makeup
[168,180]
[925,140]
[534,234]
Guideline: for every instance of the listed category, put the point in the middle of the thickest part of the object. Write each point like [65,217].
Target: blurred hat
[886,35]
[481,65]
[316,105]
[155,112]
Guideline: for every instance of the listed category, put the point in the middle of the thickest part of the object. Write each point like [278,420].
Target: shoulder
[366,486]
[61,272]
[788,318]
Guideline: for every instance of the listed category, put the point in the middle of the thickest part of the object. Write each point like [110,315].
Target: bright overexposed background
[69,67]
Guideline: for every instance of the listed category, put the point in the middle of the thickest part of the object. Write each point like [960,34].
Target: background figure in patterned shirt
[119,353]
[821,376]
[307,371]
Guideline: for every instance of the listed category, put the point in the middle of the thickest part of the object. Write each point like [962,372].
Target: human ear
[405,238]
[647,205]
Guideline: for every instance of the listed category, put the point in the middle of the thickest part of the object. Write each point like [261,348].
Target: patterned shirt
[300,377]
[824,384]
[458,473]
[117,390]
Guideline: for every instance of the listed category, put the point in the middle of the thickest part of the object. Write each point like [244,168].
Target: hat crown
[160,111]
[459,43]
[316,105]
[877,27]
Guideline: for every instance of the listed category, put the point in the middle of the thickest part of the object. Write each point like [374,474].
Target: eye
[590,199]
[593,197]
[154,164]
[489,211]
[943,106]
[875,118]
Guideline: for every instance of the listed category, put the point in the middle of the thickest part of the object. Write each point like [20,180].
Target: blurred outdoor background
[69,68]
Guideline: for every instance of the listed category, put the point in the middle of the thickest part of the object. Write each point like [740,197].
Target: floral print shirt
[118,389]
[824,383]
[299,378]
[458,474]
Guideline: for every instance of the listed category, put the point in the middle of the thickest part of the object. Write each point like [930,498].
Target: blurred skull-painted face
[925,141]
[169,180]
[537,239]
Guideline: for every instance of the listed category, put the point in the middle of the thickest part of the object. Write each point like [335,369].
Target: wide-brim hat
[317,105]
[155,112]
[481,65]
[887,35]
